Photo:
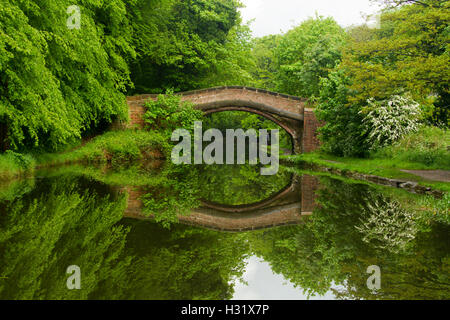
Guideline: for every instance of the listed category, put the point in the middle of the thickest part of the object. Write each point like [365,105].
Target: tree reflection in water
[75,217]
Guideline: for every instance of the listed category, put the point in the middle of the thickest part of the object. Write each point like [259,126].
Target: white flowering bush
[388,226]
[390,120]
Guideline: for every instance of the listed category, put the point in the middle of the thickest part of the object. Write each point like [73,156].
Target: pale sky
[263,284]
[277,16]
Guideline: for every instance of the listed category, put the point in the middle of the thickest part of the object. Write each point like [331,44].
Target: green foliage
[175,193]
[233,63]
[59,83]
[24,161]
[187,44]
[388,226]
[66,219]
[264,55]
[343,131]
[437,210]
[183,263]
[178,189]
[10,190]
[14,164]
[239,184]
[56,83]
[139,173]
[408,56]
[334,247]
[430,146]
[69,220]
[245,120]
[306,54]
[409,53]
[63,219]
[52,227]
[115,147]
[391,167]
[168,113]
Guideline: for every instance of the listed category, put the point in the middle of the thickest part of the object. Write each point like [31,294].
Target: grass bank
[382,167]
[111,147]
[15,165]
[427,149]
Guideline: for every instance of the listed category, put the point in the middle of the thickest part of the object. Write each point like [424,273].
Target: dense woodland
[371,85]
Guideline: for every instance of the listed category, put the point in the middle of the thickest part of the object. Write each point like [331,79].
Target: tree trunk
[4,143]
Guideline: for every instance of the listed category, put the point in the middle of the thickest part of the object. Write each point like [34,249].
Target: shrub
[389,120]
[342,134]
[175,194]
[56,83]
[169,113]
[387,225]
[22,160]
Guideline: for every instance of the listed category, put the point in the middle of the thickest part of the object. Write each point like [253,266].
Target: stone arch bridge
[287,111]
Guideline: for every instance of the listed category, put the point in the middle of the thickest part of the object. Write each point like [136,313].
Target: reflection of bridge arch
[284,208]
[286,111]
[291,191]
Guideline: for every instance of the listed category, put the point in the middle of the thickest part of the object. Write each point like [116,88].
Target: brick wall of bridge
[310,184]
[291,214]
[310,136]
[136,111]
[284,217]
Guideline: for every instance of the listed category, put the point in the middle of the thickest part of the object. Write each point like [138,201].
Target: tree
[185,263]
[233,63]
[239,184]
[71,220]
[306,54]
[408,54]
[168,113]
[181,44]
[54,224]
[424,3]
[56,83]
[343,132]
[265,69]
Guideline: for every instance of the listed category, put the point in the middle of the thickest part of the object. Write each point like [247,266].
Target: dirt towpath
[432,175]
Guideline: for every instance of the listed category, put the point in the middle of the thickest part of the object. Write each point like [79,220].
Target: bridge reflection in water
[287,207]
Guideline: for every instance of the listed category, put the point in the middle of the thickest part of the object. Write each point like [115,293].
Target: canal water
[157,231]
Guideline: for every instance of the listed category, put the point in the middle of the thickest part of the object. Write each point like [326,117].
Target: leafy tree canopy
[306,54]
[408,53]
[185,45]
[56,82]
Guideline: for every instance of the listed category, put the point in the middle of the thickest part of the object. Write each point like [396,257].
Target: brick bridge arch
[287,111]
[287,207]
